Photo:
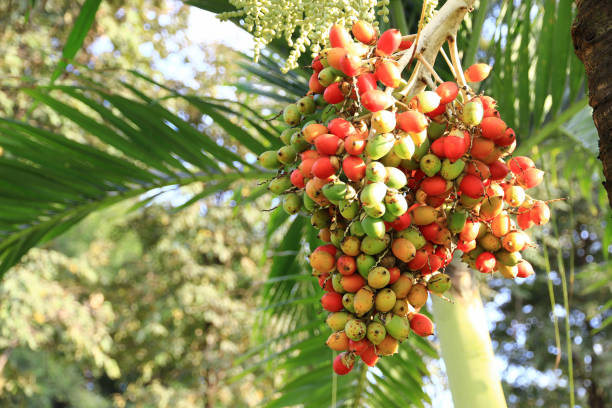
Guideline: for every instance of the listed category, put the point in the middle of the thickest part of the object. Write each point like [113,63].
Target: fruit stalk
[466,345]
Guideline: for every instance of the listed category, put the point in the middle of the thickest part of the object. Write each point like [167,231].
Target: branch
[443,26]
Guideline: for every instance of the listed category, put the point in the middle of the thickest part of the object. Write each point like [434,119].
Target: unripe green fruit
[309,204]
[456,221]
[395,178]
[373,193]
[421,150]
[376,210]
[298,142]
[410,164]
[398,327]
[336,321]
[428,100]
[336,237]
[320,218]
[373,227]
[376,333]
[451,171]
[430,164]
[391,159]
[338,190]
[435,130]
[356,229]
[439,283]
[388,217]
[286,154]
[379,145]
[378,277]
[278,185]
[286,135]
[404,147]
[347,302]
[376,171]
[292,203]
[337,283]
[364,264]
[291,115]
[269,160]
[328,76]
[472,113]
[396,204]
[355,329]
[508,258]
[373,246]
[306,105]
[413,235]
[349,209]
[385,300]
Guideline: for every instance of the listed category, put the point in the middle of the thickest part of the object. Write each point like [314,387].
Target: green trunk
[466,346]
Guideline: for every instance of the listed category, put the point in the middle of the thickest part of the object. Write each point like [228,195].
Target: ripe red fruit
[375,100]
[314,85]
[354,167]
[328,144]
[433,264]
[369,356]
[499,170]
[341,128]
[477,72]
[530,178]
[539,213]
[402,222]
[333,94]
[412,121]
[466,246]
[316,64]
[421,325]
[488,104]
[447,91]
[350,64]
[346,265]
[329,248]
[524,269]
[478,169]
[359,346]
[472,186]
[420,259]
[325,283]
[482,148]
[339,36]
[454,147]
[394,274]
[366,82]
[332,302]
[520,163]
[438,111]
[364,32]
[485,262]
[433,186]
[438,147]
[523,219]
[388,73]
[354,145]
[405,44]
[507,138]
[343,363]
[323,167]
[352,283]
[297,178]
[388,42]
[492,128]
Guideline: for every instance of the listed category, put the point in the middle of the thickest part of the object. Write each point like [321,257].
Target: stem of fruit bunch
[430,39]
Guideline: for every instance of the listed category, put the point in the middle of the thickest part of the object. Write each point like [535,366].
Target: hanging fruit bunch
[397,184]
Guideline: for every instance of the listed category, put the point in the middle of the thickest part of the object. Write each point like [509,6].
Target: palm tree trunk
[592,36]
[466,346]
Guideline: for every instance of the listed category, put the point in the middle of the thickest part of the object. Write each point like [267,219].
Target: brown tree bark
[592,36]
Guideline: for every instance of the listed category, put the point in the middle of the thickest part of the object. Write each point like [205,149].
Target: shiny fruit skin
[333,94]
[343,364]
[448,91]
[332,302]
[374,100]
[364,32]
[388,42]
